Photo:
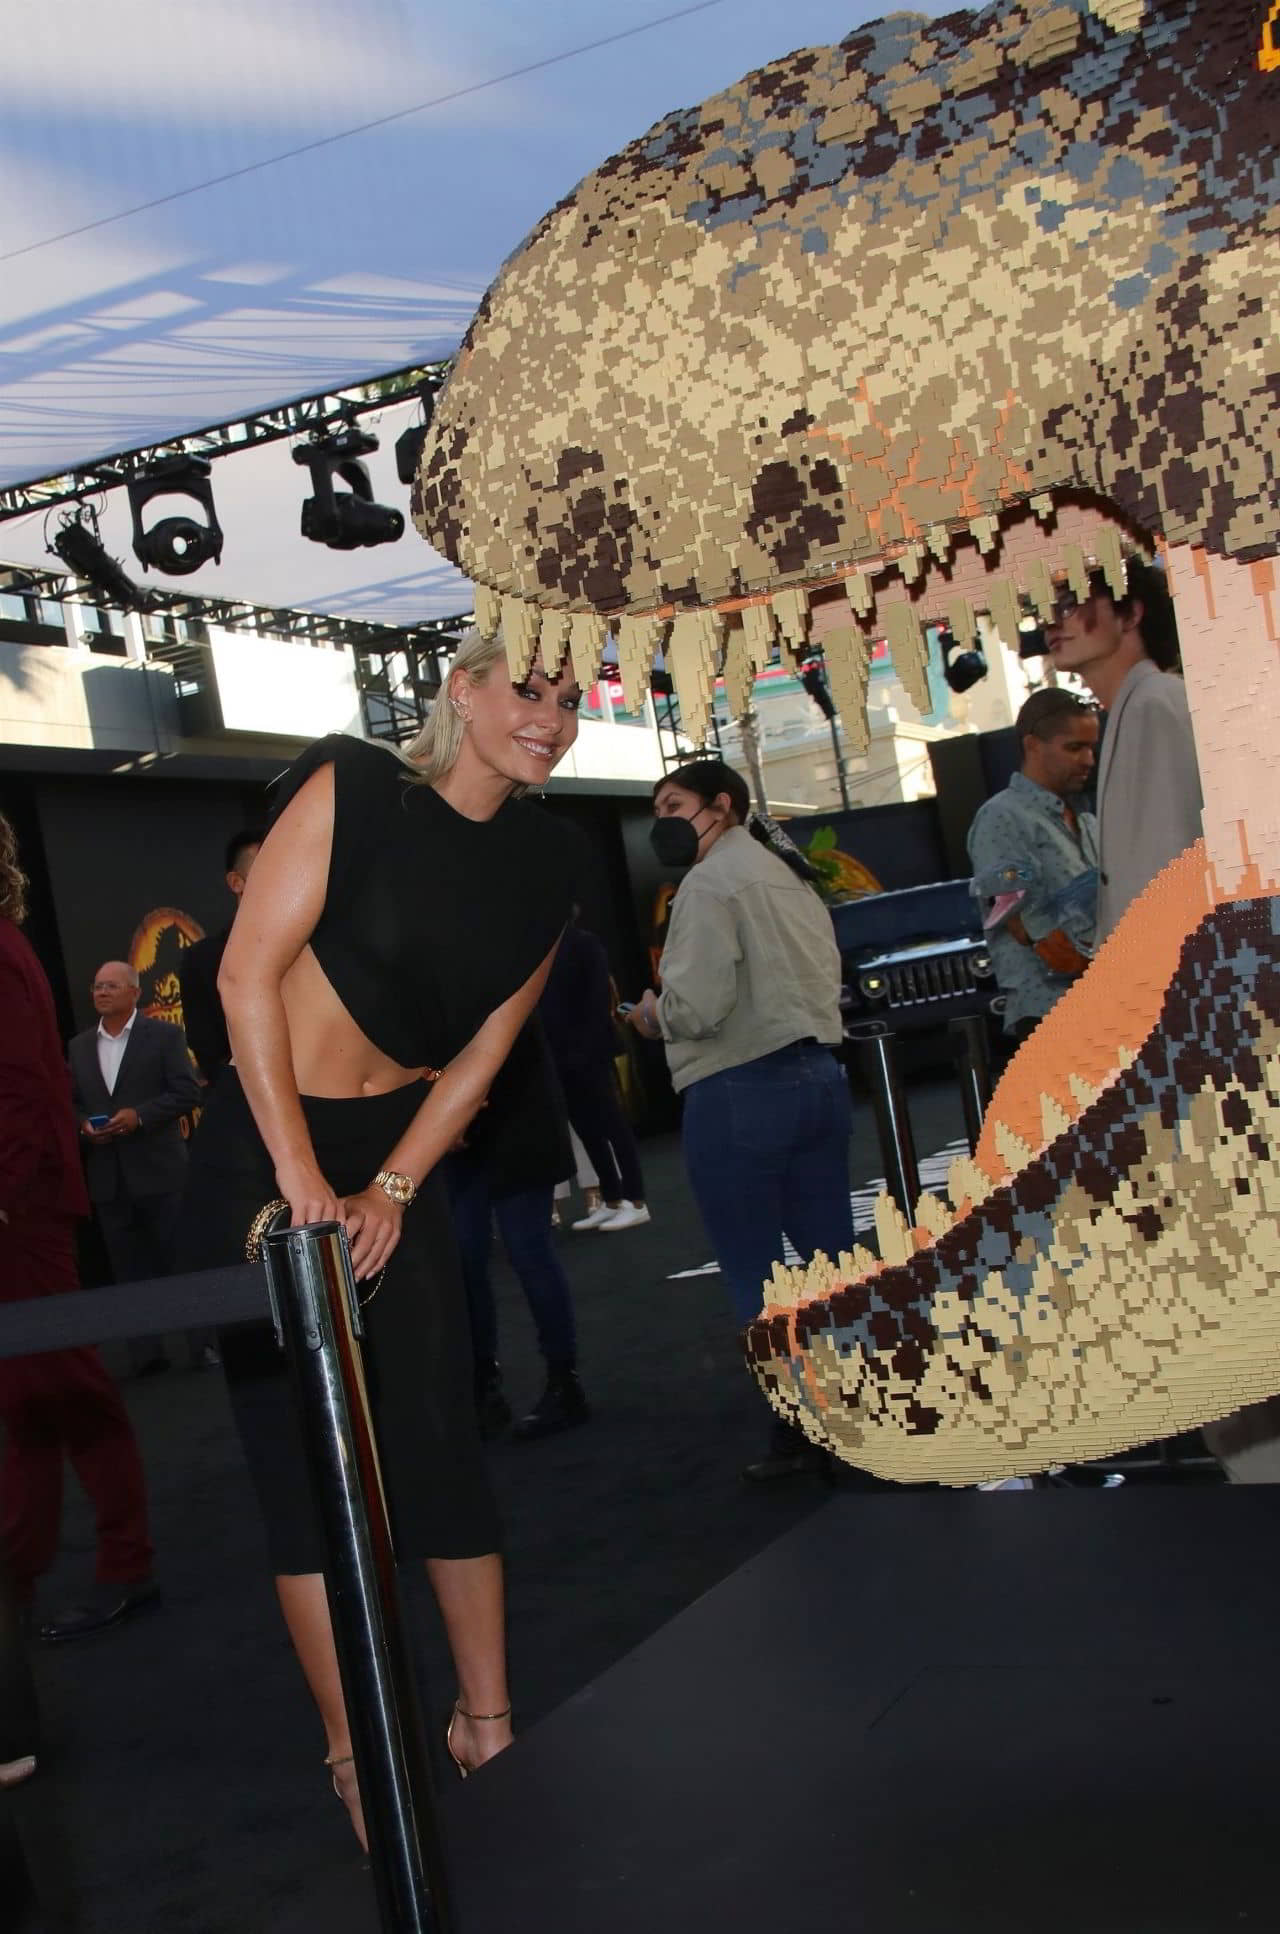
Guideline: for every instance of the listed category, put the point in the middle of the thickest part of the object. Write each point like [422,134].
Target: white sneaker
[627,1215]
[595,1217]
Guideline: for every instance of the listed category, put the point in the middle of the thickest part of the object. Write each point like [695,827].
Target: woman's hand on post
[373,1229]
[309,1197]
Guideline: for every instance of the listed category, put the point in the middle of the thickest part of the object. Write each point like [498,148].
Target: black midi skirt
[417,1348]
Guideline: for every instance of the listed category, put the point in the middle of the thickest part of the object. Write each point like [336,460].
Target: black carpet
[182,1757]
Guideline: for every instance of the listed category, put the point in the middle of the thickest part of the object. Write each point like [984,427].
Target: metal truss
[307,414]
[229,614]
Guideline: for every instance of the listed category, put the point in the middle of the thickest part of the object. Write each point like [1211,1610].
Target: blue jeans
[524,1223]
[766,1146]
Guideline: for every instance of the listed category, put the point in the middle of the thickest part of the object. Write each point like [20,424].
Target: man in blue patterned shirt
[1034,852]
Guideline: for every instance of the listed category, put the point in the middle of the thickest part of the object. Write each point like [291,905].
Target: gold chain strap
[261,1226]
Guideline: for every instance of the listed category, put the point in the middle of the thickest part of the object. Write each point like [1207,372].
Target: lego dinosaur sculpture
[900,331]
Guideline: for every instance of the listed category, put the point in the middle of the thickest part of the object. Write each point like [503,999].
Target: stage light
[345,520]
[181,544]
[409,451]
[813,678]
[409,442]
[77,543]
[1032,642]
[962,666]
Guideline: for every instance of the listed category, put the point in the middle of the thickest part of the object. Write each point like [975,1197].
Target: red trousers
[62,1405]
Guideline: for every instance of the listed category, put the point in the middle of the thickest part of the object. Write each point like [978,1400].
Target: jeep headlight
[873,986]
[980,964]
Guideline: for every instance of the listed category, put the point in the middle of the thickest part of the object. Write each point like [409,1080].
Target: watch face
[399,1188]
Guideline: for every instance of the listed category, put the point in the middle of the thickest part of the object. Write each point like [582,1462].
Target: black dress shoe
[562,1406]
[111,1605]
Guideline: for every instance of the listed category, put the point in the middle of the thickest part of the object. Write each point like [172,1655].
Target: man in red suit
[62,1403]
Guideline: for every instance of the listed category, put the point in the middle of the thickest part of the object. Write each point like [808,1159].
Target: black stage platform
[921,1714]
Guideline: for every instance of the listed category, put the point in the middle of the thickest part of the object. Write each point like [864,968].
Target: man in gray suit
[132,1081]
[1149,800]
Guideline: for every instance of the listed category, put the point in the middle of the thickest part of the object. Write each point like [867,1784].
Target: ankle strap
[462,1712]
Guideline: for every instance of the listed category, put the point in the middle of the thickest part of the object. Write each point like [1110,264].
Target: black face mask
[674,841]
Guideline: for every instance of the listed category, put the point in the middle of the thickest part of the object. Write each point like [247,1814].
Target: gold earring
[457,706]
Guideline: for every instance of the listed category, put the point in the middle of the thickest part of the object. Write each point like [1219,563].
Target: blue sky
[352,259]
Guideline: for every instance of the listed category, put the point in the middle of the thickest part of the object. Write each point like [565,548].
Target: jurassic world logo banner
[155,953]
[159,942]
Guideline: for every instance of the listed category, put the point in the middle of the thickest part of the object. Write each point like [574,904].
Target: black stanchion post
[893,1123]
[973,1063]
[316,1306]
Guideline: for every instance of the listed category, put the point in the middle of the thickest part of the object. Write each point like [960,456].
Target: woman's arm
[280,908]
[699,968]
[373,1219]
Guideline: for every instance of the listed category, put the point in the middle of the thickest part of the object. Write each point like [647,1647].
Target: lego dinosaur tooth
[849,673]
[791,609]
[1084,1091]
[940,541]
[521,624]
[1012,1150]
[488,611]
[933,1216]
[1077,570]
[911,564]
[908,651]
[1111,558]
[783,1286]
[737,672]
[1043,508]
[1004,610]
[1039,587]
[859,593]
[855,1262]
[760,628]
[986,531]
[961,620]
[554,644]
[587,635]
[1054,1119]
[897,1245]
[638,641]
[691,662]
[967,1183]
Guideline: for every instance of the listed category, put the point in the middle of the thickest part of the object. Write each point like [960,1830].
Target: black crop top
[431,920]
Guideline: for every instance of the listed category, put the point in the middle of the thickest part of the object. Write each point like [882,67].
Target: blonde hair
[13,881]
[435,750]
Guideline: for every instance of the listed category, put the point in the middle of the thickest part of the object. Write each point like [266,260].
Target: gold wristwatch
[400,1188]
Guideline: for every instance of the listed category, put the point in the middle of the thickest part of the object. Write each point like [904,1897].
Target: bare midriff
[332,1057]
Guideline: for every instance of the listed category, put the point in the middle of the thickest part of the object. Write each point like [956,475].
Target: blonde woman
[400,918]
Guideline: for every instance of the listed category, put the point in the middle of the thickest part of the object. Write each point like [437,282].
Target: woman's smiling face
[519,732]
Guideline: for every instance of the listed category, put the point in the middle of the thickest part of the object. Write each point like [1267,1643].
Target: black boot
[493,1412]
[562,1405]
[790,1454]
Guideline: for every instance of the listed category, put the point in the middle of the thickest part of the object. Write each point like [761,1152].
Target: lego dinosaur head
[851,318]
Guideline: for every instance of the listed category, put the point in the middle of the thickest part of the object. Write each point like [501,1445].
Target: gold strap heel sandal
[460,1712]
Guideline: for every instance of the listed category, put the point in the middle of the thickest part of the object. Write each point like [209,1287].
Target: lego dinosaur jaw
[1001,565]
[1104,1273]
[1119,1287]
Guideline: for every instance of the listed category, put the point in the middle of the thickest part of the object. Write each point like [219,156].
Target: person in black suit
[132,1081]
[202,1016]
